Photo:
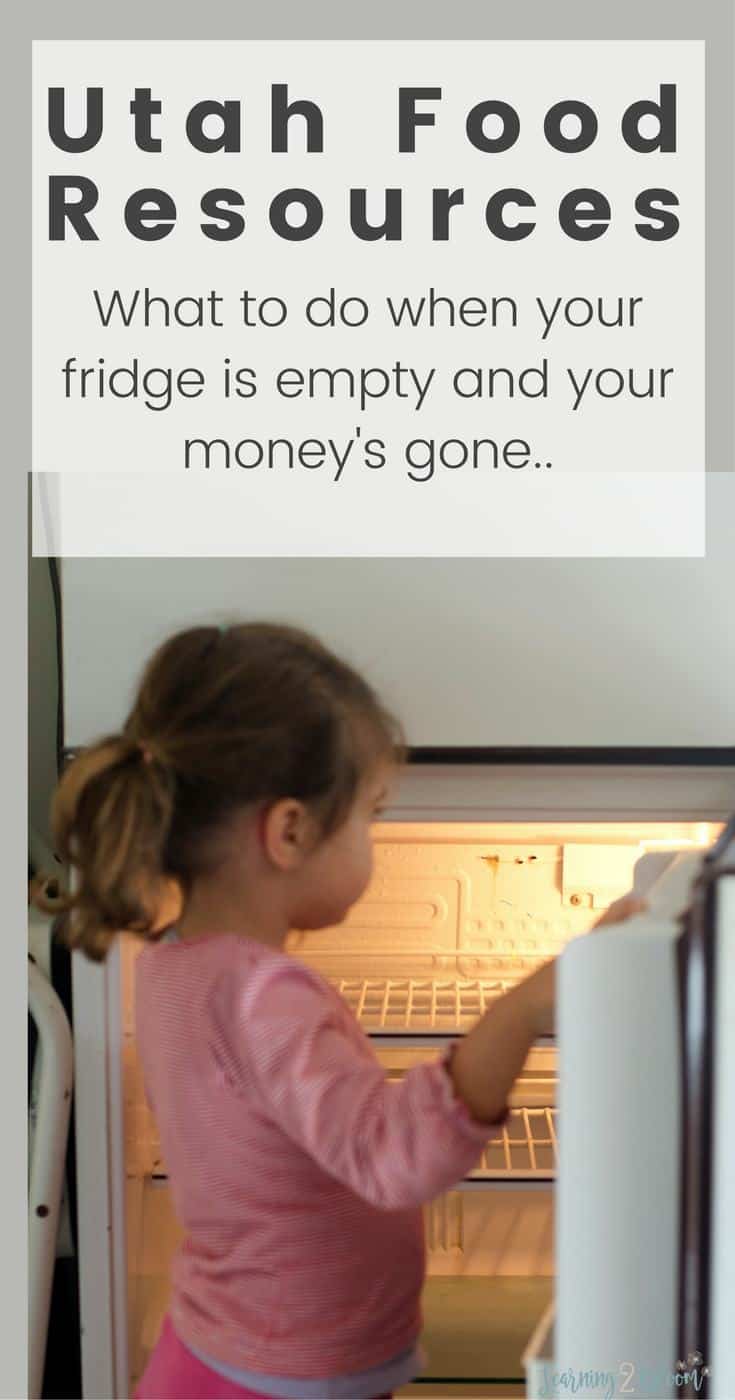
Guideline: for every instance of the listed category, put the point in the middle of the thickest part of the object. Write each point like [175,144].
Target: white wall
[485,652]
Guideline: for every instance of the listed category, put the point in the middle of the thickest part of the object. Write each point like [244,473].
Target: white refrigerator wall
[469,652]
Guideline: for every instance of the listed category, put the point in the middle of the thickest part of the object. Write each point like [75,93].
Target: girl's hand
[540,989]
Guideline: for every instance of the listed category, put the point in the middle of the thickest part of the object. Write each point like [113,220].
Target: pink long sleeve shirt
[297,1170]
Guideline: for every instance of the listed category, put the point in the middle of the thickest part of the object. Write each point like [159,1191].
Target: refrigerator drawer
[538,1358]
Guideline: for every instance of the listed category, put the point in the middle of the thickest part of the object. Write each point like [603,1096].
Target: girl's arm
[490,1058]
[395,1145]
[308,1071]
[487,1062]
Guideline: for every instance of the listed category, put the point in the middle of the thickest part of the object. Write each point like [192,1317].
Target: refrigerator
[645,1293]
[543,769]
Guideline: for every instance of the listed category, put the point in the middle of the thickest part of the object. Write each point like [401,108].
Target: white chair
[48,1131]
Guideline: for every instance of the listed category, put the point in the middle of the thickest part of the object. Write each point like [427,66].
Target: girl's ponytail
[111,818]
[224,718]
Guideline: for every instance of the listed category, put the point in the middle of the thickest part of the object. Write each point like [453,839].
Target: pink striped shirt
[297,1171]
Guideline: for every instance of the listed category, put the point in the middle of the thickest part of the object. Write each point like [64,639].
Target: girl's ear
[288,832]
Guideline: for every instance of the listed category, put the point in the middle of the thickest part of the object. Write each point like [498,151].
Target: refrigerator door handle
[696,958]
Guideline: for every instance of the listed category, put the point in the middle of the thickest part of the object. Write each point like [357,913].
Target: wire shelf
[527,1148]
[411,1004]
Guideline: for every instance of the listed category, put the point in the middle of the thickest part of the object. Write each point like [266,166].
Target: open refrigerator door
[646,1289]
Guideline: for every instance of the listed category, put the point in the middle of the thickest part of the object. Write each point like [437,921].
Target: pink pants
[174,1373]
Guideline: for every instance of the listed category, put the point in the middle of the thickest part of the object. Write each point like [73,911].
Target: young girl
[247,777]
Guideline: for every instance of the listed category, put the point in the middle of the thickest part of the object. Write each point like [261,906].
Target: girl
[246,778]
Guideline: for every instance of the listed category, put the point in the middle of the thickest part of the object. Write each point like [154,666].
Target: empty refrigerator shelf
[412,1004]
[526,1151]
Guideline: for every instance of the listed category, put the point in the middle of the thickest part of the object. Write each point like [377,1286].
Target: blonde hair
[223,718]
